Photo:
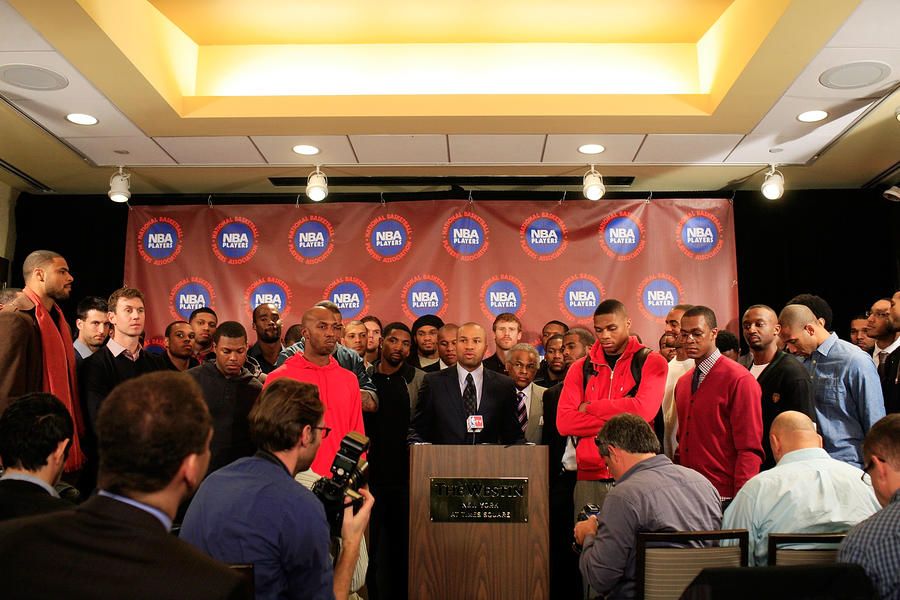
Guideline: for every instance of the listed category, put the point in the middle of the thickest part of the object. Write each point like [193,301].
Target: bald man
[338,387]
[450,396]
[846,386]
[806,492]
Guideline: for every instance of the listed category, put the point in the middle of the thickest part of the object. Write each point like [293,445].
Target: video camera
[349,472]
[588,511]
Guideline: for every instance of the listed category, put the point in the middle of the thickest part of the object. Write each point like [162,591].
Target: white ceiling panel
[109,151]
[400,149]
[782,119]
[686,148]
[498,149]
[49,108]
[212,150]
[17,34]
[756,149]
[807,84]
[333,149]
[620,148]
[874,24]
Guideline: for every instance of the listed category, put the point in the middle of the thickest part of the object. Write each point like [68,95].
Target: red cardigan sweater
[720,427]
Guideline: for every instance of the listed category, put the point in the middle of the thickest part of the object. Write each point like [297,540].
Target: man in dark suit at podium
[448,398]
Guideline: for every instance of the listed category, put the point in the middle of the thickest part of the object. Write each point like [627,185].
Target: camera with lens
[588,511]
[349,472]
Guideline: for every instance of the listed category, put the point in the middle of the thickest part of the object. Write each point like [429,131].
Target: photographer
[651,494]
[253,512]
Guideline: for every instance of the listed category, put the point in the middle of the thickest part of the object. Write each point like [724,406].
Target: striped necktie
[521,412]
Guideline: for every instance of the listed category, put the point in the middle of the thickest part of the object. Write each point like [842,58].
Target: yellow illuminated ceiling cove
[329,58]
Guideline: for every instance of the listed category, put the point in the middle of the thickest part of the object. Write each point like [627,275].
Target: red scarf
[59,371]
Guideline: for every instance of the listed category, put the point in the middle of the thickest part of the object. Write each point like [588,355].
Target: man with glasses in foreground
[253,512]
[651,494]
[874,543]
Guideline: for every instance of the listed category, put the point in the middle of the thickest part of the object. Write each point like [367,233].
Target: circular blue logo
[235,240]
[350,298]
[268,293]
[388,238]
[160,240]
[311,239]
[425,297]
[622,236]
[466,236]
[544,236]
[699,235]
[190,297]
[659,297]
[502,296]
[581,297]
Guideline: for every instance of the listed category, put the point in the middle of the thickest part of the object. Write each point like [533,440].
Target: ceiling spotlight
[897,114]
[812,116]
[593,187]
[591,148]
[305,150]
[316,186]
[81,119]
[773,187]
[120,186]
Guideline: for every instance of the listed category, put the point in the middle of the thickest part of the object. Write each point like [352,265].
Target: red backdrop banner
[460,260]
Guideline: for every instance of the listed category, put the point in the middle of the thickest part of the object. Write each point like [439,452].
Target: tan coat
[21,355]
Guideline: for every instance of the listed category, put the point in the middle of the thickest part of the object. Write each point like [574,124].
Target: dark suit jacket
[440,417]
[25,499]
[494,363]
[785,386]
[550,436]
[106,549]
[890,383]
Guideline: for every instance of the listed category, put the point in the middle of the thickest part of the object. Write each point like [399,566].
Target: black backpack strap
[587,371]
[637,366]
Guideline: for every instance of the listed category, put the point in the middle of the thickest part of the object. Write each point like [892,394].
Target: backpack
[637,365]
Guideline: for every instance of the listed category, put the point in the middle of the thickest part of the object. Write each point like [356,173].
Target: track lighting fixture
[120,186]
[317,186]
[773,186]
[593,187]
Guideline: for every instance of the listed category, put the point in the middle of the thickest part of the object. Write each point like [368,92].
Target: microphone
[474,424]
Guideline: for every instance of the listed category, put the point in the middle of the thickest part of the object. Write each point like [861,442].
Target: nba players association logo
[234,240]
[159,240]
[268,290]
[622,236]
[351,296]
[543,236]
[699,235]
[388,238]
[311,239]
[579,295]
[658,295]
[188,295]
[424,295]
[500,294]
[465,236]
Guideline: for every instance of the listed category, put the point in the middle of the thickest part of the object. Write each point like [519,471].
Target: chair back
[666,563]
[246,571]
[808,555]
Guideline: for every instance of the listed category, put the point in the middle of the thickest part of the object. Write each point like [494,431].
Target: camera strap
[263,454]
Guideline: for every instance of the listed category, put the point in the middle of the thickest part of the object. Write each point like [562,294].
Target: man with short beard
[203,320]
[424,354]
[397,383]
[179,355]
[36,351]
[785,383]
[507,333]
[553,367]
[882,332]
[859,328]
[447,345]
[267,325]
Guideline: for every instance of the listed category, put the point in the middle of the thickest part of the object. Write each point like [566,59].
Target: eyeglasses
[325,431]
[881,314]
[866,478]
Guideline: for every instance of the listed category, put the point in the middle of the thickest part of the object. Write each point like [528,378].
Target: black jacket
[20,498]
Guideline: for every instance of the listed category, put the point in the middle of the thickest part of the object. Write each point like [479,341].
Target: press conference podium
[472,547]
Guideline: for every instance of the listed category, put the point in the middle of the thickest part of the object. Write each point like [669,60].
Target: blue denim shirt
[848,397]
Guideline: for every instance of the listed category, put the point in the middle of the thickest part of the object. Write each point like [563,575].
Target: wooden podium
[488,537]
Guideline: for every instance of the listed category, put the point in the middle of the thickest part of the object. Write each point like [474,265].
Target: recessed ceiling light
[31,77]
[591,148]
[855,75]
[775,150]
[812,116]
[81,119]
[305,150]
